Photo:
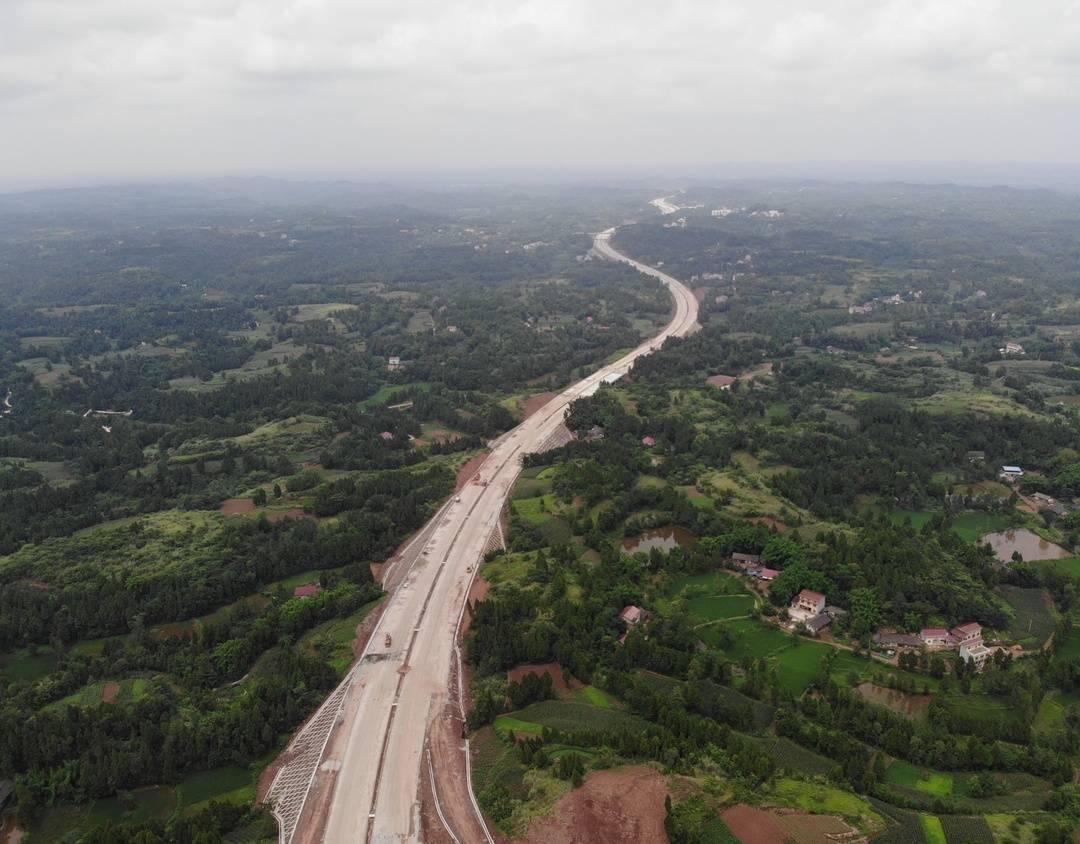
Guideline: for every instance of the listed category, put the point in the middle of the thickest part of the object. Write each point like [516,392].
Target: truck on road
[386,640]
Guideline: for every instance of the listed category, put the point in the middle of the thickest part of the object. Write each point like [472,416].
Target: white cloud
[130,87]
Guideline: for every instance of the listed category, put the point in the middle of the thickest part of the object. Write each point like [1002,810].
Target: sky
[105,90]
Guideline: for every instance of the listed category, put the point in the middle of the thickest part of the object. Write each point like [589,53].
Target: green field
[922,779]
[567,715]
[719,607]
[23,666]
[1068,646]
[333,640]
[231,784]
[819,798]
[596,697]
[1066,565]
[932,829]
[971,526]
[535,510]
[1034,619]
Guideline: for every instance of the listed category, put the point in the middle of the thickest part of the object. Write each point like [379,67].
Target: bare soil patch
[811,829]
[471,467]
[906,704]
[109,691]
[236,506]
[700,293]
[610,807]
[10,831]
[534,403]
[754,826]
[560,685]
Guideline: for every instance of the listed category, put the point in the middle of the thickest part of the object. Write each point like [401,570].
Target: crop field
[970,526]
[571,715]
[720,607]
[1034,620]
[123,691]
[932,829]
[505,724]
[961,829]
[595,697]
[905,827]
[494,761]
[794,758]
[1068,646]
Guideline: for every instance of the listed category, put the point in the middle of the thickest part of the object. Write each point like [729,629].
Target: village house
[648,442]
[976,456]
[1048,502]
[865,308]
[387,436]
[393,363]
[966,634]
[722,382]
[815,624]
[594,433]
[808,603]
[976,653]
[768,574]
[307,590]
[746,561]
[632,616]
[1011,348]
[934,637]
[1010,473]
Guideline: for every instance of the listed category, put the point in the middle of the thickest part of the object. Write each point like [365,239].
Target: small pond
[664,539]
[1030,545]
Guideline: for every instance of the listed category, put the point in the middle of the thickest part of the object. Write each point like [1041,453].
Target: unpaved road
[366,772]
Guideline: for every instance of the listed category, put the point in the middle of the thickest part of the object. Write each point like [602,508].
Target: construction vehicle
[387,640]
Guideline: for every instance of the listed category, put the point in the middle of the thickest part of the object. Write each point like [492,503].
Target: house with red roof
[935,637]
[648,442]
[969,634]
[768,574]
[808,602]
[386,435]
[632,616]
[307,590]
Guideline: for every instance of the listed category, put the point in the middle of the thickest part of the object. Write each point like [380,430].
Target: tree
[865,608]
[259,497]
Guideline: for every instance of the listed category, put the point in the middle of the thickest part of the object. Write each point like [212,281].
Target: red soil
[235,506]
[611,807]
[109,692]
[534,403]
[553,668]
[754,826]
[466,472]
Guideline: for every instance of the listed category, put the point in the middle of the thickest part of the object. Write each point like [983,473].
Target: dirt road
[356,775]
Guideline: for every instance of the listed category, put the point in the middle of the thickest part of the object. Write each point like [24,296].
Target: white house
[808,602]
[1010,473]
[935,637]
[976,653]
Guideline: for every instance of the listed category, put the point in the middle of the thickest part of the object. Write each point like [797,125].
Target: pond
[1030,545]
[664,539]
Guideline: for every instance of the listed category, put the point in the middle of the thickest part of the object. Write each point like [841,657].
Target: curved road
[365,776]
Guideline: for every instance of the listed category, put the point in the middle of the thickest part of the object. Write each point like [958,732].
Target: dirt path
[471,467]
[611,807]
[534,403]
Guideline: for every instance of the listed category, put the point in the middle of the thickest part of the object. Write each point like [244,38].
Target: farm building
[976,456]
[815,624]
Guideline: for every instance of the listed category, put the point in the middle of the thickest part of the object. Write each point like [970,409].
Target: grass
[1066,565]
[506,724]
[25,667]
[819,798]
[1068,646]
[595,697]
[971,526]
[926,780]
[231,784]
[720,607]
[917,518]
[1034,620]
[535,510]
[932,829]
[508,568]
[333,640]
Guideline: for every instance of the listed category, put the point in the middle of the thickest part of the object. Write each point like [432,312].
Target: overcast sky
[94,90]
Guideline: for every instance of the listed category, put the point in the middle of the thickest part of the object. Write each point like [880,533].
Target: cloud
[116,88]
